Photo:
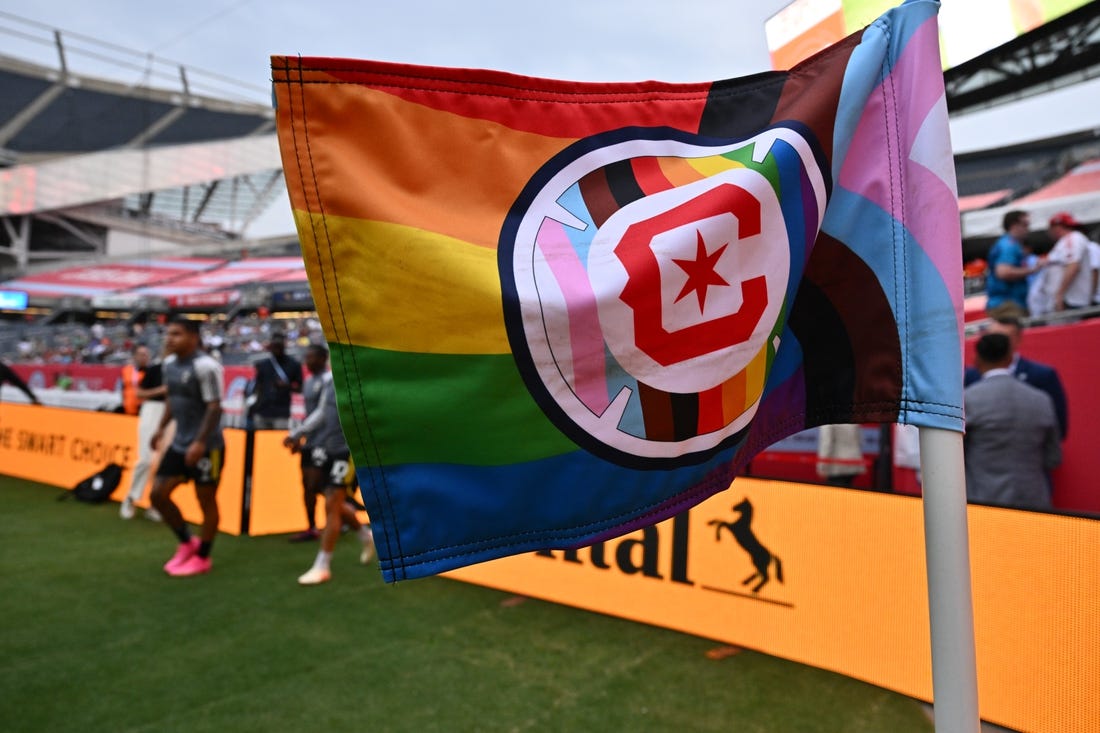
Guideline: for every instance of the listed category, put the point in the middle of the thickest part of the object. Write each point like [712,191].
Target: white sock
[324,559]
[365,535]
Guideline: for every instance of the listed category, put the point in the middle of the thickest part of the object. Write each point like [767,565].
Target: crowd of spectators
[239,340]
[99,343]
[1067,278]
[235,340]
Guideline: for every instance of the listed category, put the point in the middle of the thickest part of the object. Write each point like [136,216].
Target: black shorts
[340,474]
[338,469]
[314,457]
[207,471]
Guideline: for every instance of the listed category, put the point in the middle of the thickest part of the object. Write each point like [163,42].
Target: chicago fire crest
[646,275]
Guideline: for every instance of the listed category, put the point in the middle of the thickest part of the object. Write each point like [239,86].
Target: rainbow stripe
[512,273]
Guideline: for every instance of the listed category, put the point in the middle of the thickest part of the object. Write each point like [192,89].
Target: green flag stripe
[403,407]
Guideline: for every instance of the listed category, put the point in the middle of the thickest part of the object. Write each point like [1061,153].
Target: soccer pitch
[97,638]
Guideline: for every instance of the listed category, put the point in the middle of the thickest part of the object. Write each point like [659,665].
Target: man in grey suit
[1038,375]
[1012,437]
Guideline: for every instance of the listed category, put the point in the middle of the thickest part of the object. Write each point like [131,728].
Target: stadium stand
[195,125]
[95,168]
[994,181]
[92,170]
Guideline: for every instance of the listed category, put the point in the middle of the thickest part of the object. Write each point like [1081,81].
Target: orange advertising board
[277,504]
[61,447]
[836,579]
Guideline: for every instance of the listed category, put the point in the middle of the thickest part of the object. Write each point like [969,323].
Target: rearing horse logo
[742,532]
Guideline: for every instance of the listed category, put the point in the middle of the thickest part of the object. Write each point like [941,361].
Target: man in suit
[1011,440]
[1038,375]
[277,375]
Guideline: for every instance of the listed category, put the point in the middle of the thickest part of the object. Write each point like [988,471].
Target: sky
[585,40]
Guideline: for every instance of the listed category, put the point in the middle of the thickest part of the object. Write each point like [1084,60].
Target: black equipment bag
[98,487]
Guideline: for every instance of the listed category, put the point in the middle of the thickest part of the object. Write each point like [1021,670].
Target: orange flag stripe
[679,172]
[370,175]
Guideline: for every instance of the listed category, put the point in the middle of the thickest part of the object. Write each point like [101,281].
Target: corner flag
[559,311]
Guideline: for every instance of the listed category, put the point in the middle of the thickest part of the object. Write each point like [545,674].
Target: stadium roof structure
[91,167]
[1059,53]
[1017,170]
[164,282]
[1077,192]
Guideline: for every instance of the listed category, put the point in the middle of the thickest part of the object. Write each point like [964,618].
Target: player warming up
[325,453]
[194,383]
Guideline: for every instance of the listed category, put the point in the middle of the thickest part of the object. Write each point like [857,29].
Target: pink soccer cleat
[184,552]
[194,565]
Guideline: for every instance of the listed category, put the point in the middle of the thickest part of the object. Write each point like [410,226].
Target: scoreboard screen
[967,29]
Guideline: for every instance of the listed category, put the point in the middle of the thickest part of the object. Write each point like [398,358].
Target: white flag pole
[951,612]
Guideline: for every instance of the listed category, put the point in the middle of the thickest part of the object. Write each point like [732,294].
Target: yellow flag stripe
[396,287]
[713,165]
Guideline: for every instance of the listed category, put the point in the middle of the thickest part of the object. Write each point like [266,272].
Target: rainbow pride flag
[560,311]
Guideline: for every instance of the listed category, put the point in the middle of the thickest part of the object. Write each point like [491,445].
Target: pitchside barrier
[1073,348]
[828,577]
[61,447]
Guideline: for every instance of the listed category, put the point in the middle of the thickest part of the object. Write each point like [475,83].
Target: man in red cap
[1068,278]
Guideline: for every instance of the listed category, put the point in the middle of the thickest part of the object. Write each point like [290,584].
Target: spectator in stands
[64,381]
[7,374]
[1008,272]
[277,376]
[1067,279]
[1094,261]
[215,342]
[839,454]
[1041,376]
[99,349]
[1011,433]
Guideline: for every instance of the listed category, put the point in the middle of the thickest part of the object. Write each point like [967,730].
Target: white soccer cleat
[126,509]
[315,576]
[367,553]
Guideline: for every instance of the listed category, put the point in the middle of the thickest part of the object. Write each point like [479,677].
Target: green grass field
[96,638]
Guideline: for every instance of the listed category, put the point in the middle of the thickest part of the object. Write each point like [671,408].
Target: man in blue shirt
[1008,273]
